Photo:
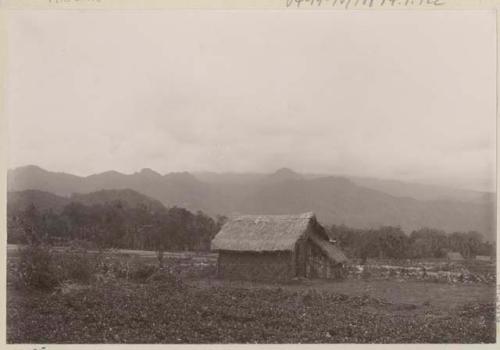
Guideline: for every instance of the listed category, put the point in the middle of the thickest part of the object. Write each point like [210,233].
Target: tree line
[392,242]
[115,225]
[118,225]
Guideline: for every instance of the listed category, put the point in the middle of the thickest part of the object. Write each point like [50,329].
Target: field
[185,303]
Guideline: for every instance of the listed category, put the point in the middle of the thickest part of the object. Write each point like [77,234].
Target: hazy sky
[403,95]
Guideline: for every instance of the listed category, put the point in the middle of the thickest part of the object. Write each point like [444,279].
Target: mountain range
[353,201]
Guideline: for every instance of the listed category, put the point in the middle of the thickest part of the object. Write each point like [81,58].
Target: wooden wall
[307,260]
[318,265]
[253,266]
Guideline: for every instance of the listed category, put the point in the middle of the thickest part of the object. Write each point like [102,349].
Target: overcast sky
[402,95]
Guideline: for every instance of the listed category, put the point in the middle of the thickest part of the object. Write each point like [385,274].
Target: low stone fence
[433,273]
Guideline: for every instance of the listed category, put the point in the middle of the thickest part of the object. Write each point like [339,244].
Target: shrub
[75,265]
[166,279]
[40,267]
[36,268]
[109,264]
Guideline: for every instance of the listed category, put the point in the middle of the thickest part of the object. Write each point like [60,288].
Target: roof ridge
[306,215]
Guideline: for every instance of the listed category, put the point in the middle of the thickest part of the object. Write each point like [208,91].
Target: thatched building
[276,247]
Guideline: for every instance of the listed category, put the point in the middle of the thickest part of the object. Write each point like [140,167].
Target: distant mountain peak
[107,173]
[149,172]
[285,174]
[285,171]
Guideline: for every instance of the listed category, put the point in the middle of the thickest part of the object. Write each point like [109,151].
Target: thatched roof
[259,233]
[331,251]
[454,256]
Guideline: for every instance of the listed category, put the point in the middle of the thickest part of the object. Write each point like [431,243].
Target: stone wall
[449,273]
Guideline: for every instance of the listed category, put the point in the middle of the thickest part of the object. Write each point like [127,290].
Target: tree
[31,224]
[428,243]
[116,224]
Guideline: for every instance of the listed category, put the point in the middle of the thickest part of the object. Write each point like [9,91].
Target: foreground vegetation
[106,298]
[160,312]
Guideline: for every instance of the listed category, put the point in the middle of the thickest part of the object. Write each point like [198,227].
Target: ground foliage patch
[167,310]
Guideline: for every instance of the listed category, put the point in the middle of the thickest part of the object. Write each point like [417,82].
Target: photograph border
[7,6]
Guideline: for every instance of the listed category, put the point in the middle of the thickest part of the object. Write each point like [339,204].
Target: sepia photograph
[222,176]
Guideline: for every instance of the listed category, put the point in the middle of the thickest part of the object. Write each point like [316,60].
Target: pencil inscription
[347,4]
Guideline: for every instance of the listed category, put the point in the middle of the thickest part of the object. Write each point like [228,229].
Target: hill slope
[20,200]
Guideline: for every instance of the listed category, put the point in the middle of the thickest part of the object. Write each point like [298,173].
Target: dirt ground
[442,295]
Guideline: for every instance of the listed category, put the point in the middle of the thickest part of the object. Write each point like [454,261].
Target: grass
[201,309]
